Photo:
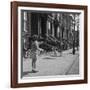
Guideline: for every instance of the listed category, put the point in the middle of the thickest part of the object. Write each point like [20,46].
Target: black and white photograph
[49,42]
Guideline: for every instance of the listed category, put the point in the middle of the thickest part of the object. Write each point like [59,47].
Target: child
[34,49]
[54,50]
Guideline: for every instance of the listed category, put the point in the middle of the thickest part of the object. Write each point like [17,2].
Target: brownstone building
[58,25]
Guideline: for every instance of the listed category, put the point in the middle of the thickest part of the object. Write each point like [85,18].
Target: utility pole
[74,38]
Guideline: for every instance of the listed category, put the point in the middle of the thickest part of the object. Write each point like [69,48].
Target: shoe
[34,71]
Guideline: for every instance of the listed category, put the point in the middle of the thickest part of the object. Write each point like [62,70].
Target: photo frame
[61,31]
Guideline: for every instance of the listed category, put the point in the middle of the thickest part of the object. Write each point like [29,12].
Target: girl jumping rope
[34,52]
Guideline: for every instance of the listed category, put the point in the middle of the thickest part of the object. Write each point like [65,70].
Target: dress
[34,48]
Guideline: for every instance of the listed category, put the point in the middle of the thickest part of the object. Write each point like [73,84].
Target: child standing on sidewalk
[34,52]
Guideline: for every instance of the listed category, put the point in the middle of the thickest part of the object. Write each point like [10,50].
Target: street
[48,64]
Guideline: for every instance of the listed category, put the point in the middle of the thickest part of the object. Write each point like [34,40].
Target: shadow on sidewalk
[48,58]
[27,72]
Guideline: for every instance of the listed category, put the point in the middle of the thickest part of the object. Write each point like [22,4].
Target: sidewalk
[50,65]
